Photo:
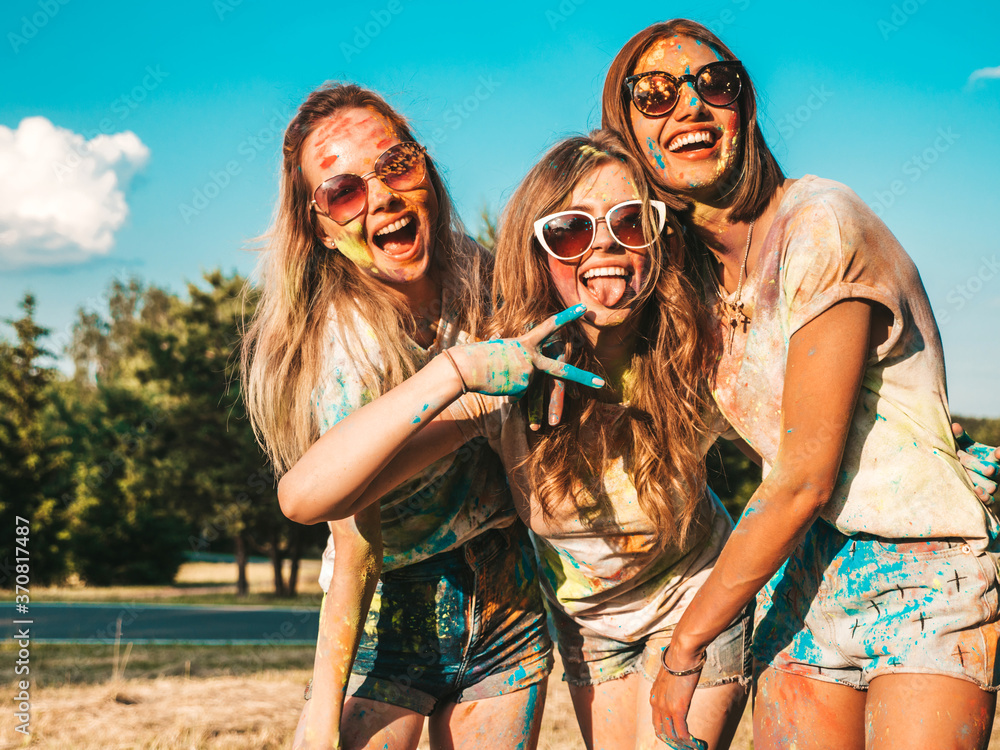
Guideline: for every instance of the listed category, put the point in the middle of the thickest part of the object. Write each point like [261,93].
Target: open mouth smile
[399,237]
[693,141]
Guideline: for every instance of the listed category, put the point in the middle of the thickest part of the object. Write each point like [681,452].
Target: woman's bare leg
[914,710]
[606,712]
[373,724]
[794,711]
[507,721]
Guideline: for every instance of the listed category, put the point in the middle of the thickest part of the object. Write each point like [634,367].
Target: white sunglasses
[569,235]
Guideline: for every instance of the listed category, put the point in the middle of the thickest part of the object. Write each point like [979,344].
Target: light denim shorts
[591,658]
[847,609]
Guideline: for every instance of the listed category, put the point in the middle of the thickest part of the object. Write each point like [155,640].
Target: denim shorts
[463,625]
[847,609]
[590,658]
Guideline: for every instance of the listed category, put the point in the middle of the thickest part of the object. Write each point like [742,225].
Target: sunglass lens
[720,85]
[654,95]
[342,197]
[626,225]
[401,167]
[568,236]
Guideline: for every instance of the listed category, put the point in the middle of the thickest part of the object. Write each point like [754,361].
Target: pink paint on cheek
[384,143]
[325,164]
[564,278]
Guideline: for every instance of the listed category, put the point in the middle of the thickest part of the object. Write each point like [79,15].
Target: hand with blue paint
[982,464]
[503,367]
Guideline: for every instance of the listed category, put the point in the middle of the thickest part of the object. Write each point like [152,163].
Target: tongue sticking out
[608,290]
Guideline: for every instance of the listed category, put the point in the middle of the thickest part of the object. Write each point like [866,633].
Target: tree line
[144,453]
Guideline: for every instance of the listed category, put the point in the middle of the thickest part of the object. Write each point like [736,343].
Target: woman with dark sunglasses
[624,526]
[432,605]
[872,560]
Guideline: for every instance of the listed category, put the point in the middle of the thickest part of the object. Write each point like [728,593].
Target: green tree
[33,462]
[204,453]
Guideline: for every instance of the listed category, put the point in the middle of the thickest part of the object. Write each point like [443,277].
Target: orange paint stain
[325,164]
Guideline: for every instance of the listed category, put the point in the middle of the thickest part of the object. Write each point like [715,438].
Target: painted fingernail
[598,382]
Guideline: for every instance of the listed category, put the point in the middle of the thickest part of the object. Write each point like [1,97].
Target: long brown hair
[759,173]
[304,281]
[674,347]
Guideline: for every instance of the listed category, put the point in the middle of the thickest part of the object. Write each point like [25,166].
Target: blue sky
[874,94]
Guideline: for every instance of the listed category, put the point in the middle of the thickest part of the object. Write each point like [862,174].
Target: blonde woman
[625,529]
[432,604]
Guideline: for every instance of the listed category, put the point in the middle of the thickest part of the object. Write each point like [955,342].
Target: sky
[144,139]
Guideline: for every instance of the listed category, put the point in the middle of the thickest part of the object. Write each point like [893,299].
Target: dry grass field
[214,713]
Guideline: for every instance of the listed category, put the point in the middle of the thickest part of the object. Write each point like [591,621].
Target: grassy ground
[223,705]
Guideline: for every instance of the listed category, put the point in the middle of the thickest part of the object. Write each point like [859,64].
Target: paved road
[152,623]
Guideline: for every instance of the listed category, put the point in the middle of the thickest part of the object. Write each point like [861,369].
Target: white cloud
[62,197]
[983,74]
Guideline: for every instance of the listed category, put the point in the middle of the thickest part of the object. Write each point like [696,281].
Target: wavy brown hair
[674,349]
[759,174]
[303,281]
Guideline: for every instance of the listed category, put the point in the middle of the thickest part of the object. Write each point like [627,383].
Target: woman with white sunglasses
[624,526]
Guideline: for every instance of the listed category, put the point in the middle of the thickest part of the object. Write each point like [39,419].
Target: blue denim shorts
[847,609]
[460,626]
[590,658]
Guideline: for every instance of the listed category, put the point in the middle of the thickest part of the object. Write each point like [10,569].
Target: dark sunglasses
[656,93]
[568,235]
[344,197]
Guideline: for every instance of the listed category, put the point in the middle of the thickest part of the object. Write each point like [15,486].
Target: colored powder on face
[325,164]
[654,149]
[416,420]
[358,252]
[693,102]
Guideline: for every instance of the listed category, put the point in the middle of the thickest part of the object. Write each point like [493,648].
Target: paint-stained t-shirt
[900,477]
[598,558]
[444,506]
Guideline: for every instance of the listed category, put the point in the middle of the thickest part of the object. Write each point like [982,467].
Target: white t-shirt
[900,477]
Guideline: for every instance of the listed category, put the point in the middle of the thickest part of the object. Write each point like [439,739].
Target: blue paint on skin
[570,313]
[655,151]
[694,101]
[416,420]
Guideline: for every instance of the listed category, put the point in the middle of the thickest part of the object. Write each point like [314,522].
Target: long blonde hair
[674,350]
[284,345]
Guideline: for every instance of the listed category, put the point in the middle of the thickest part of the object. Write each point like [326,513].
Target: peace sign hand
[503,367]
